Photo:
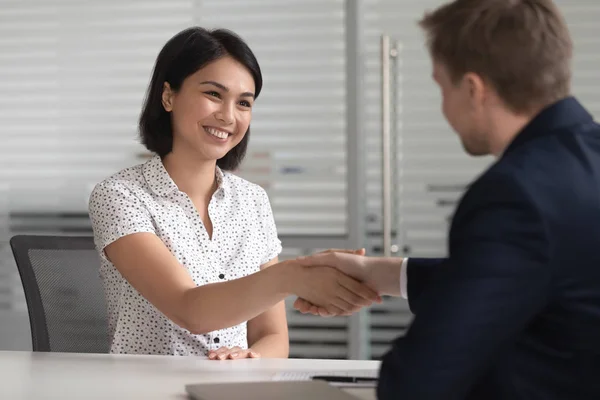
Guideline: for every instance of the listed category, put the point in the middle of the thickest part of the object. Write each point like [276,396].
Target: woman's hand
[234,353]
[330,292]
[306,307]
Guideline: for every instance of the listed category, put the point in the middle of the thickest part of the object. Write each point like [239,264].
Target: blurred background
[348,138]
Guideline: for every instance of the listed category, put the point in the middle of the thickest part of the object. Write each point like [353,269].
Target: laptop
[288,390]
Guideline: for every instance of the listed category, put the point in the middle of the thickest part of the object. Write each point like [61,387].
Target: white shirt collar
[160,182]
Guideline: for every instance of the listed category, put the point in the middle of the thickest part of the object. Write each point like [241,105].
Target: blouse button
[221,276]
[216,340]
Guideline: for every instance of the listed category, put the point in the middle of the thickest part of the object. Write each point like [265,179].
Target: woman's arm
[268,332]
[155,273]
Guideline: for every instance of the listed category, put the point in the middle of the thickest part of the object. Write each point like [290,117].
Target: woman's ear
[167,97]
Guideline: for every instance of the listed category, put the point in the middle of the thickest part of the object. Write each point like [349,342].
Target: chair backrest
[63,290]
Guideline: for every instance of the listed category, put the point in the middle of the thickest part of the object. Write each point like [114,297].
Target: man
[514,311]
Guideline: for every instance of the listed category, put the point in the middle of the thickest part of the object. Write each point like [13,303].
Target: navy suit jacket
[514,311]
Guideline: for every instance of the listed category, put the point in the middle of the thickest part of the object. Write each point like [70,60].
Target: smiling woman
[224,89]
[184,243]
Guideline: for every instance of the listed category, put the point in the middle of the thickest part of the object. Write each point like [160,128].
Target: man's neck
[505,126]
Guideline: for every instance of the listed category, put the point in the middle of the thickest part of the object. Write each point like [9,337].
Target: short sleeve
[268,230]
[116,212]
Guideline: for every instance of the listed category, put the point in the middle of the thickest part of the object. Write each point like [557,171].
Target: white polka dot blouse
[144,198]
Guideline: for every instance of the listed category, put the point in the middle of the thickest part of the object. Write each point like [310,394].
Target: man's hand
[380,274]
[333,291]
[351,263]
[234,353]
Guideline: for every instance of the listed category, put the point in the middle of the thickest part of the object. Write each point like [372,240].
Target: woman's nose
[225,114]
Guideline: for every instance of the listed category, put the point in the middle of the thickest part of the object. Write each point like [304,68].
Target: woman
[185,245]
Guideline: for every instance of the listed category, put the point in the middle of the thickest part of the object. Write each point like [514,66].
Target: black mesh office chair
[67,310]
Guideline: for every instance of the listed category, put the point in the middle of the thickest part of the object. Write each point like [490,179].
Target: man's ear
[476,87]
[167,97]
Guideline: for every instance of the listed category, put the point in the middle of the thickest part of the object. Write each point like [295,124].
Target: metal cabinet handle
[387,53]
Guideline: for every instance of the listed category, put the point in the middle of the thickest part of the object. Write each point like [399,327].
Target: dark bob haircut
[183,55]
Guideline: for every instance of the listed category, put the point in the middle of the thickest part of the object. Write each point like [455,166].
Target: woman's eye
[212,93]
[245,103]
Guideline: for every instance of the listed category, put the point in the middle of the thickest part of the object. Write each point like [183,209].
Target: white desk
[28,375]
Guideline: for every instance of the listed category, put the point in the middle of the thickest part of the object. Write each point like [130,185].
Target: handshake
[341,282]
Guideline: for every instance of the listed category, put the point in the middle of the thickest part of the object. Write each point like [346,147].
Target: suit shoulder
[499,180]
[553,160]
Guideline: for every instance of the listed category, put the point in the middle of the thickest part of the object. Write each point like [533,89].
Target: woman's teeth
[217,133]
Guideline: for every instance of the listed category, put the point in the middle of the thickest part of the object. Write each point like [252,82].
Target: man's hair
[522,48]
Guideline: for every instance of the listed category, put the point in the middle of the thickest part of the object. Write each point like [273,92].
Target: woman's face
[211,112]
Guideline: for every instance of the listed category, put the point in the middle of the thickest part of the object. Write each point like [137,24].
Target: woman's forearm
[275,345]
[220,305]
